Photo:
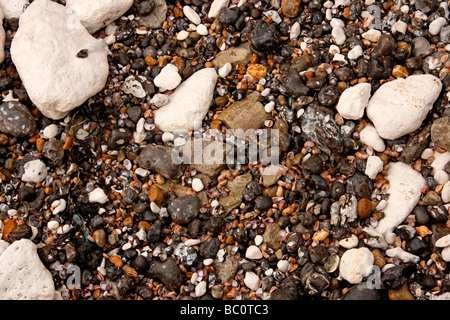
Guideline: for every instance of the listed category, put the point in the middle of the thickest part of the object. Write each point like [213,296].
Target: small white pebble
[443,242]
[167,136]
[428,152]
[441,176]
[295,31]
[53,225]
[200,289]
[253,252]
[350,242]
[265,92]
[182,35]
[283,265]
[445,193]
[337,23]
[197,184]
[436,25]
[269,272]
[126,246]
[400,27]
[251,280]
[258,239]
[214,203]
[202,30]
[208,262]
[446,254]
[191,15]
[338,35]
[334,49]
[225,70]
[269,106]
[390,237]
[372,35]
[192,242]
[154,207]
[50,131]
[355,53]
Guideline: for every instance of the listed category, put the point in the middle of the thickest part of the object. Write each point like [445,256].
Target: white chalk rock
[216,6]
[97,196]
[225,70]
[189,103]
[355,53]
[401,254]
[13,8]
[398,107]
[191,15]
[202,30]
[251,280]
[2,37]
[353,101]
[283,265]
[369,136]
[405,185]
[338,35]
[356,264]
[440,160]
[168,78]
[374,165]
[34,171]
[350,242]
[295,31]
[372,35]
[436,25]
[44,51]
[445,193]
[50,131]
[445,254]
[197,184]
[22,274]
[253,253]
[97,14]
[443,242]
[200,289]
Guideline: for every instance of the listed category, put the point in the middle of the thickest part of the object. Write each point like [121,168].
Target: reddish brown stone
[364,208]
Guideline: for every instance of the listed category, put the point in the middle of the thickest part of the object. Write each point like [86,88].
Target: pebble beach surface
[98,96]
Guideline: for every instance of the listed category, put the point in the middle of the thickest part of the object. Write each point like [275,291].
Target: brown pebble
[48,190]
[67,143]
[257,71]
[143,224]
[156,195]
[401,293]
[3,139]
[9,227]
[364,208]
[116,260]
[150,61]
[40,144]
[99,237]
[378,258]
[400,72]
[229,240]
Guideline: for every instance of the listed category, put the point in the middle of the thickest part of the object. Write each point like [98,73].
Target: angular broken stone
[16,119]
[246,114]
[159,159]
